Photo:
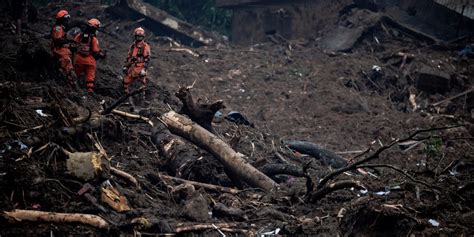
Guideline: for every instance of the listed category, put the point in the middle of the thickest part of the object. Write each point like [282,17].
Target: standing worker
[88,51]
[136,64]
[60,45]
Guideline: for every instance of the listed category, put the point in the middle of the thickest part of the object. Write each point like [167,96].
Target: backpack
[85,46]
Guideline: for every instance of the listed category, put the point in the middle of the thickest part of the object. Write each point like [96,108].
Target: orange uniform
[136,64]
[60,48]
[84,61]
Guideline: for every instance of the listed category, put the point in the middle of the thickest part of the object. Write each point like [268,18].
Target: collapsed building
[255,20]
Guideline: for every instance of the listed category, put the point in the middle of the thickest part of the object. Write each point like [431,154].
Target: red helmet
[62,13]
[94,23]
[139,32]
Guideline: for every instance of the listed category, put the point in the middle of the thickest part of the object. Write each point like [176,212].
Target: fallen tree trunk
[30,215]
[179,154]
[231,160]
[173,148]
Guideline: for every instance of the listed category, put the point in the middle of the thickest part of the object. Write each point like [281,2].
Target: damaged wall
[252,23]
[429,17]
[464,7]
[254,20]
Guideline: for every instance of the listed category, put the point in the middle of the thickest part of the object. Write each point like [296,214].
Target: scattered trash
[269,233]
[218,117]
[113,198]
[382,193]
[18,143]
[13,144]
[40,112]
[434,222]
[86,191]
[238,118]
[466,52]
[376,69]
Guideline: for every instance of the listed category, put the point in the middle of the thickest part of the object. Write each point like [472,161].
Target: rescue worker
[88,51]
[136,64]
[60,45]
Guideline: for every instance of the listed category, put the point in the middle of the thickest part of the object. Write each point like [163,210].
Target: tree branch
[334,187]
[375,155]
[121,100]
[401,171]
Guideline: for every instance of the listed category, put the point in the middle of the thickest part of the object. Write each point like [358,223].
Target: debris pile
[281,137]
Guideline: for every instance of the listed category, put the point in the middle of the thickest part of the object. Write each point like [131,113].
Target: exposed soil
[291,90]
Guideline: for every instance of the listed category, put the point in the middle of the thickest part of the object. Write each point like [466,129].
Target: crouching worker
[88,51]
[61,45]
[136,64]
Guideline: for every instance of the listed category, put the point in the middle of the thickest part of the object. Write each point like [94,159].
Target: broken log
[30,215]
[202,113]
[326,157]
[185,127]
[172,148]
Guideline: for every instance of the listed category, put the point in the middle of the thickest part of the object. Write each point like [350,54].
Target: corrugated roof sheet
[458,5]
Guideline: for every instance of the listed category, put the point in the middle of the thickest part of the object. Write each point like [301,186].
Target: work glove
[143,72]
[102,54]
[99,55]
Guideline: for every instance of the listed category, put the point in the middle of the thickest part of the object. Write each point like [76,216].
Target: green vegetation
[202,13]
[434,148]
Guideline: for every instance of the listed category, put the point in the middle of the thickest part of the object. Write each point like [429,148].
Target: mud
[291,90]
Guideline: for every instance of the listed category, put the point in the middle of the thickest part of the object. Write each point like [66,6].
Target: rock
[196,209]
[467,218]
[182,191]
[342,39]
[433,81]
[221,211]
